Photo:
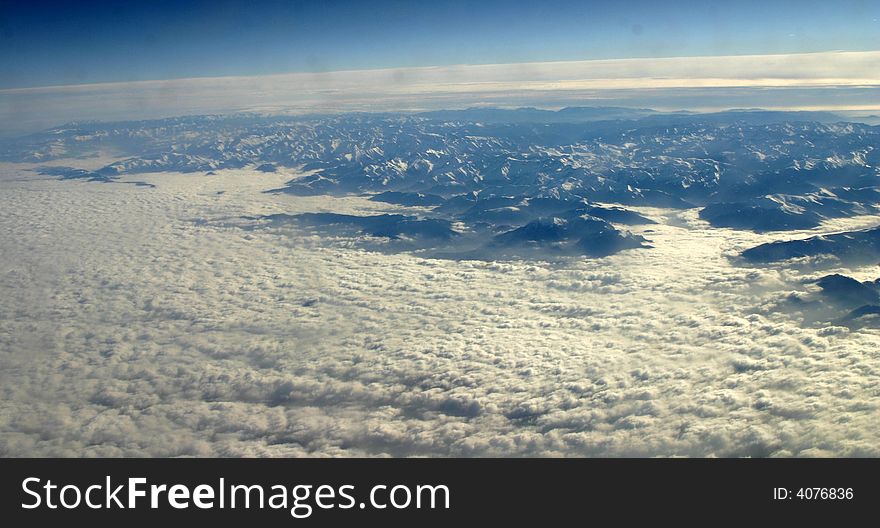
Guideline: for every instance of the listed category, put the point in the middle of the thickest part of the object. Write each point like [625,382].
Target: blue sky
[57,43]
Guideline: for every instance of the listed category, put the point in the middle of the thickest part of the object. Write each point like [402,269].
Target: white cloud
[684,82]
[128,329]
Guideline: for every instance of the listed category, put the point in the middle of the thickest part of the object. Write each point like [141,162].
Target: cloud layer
[144,321]
[682,82]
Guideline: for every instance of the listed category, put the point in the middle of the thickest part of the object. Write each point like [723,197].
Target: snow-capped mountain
[502,171]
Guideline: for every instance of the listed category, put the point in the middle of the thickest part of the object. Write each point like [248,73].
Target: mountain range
[525,176]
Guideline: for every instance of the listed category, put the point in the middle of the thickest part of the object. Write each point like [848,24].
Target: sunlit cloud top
[699,83]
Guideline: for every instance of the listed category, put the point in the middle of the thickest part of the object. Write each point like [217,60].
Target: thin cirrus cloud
[683,82]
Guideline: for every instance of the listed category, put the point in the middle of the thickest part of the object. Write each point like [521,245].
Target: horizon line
[441,67]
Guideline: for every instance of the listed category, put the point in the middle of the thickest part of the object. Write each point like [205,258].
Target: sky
[71,61]
[72,42]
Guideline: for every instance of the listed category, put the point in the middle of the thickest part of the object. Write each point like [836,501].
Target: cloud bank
[142,321]
[770,81]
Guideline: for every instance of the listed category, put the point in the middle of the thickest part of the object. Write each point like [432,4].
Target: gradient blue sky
[75,42]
